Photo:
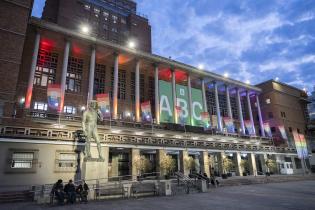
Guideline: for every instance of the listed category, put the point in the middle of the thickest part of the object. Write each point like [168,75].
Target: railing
[66,134]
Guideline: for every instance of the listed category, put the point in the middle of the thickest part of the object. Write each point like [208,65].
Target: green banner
[182,101]
[166,103]
[197,107]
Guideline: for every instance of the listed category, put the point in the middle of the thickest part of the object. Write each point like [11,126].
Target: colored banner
[182,101]
[54,96]
[146,111]
[229,124]
[303,145]
[249,126]
[205,118]
[267,130]
[180,115]
[300,145]
[283,133]
[197,107]
[103,104]
[166,104]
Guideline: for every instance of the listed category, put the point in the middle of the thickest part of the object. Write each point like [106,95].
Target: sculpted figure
[89,126]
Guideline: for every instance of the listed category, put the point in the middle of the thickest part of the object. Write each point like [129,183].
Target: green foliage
[227,164]
[271,164]
[244,165]
[142,164]
[167,163]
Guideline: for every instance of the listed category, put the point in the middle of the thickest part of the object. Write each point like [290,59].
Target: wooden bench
[109,190]
[138,188]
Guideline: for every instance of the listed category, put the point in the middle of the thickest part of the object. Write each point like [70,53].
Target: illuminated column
[135,155]
[189,100]
[174,94]
[204,98]
[238,158]
[261,124]
[228,101]
[32,73]
[91,77]
[252,164]
[115,88]
[157,97]
[250,112]
[137,92]
[64,74]
[240,112]
[217,106]
[205,168]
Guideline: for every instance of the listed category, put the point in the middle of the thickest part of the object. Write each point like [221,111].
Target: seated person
[83,191]
[58,192]
[70,191]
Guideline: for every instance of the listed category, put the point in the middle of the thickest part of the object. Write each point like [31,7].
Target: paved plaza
[290,195]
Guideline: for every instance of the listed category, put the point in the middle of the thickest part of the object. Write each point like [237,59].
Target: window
[123,20]
[22,160]
[1,108]
[114,18]
[69,110]
[40,106]
[105,15]
[66,161]
[270,115]
[133,86]
[298,163]
[74,74]
[283,115]
[142,93]
[45,72]
[298,130]
[96,12]
[87,7]
[273,129]
[114,30]
[121,84]
[99,79]
[268,101]
[290,129]
[105,27]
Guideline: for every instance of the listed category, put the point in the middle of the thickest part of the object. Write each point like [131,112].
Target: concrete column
[261,124]
[174,95]
[217,106]
[190,100]
[137,92]
[250,112]
[157,96]
[239,171]
[91,77]
[204,98]
[228,101]
[252,164]
[262,159]
[135,153]
[64,74]
[115,88]
[160,153]
[205,168]
[220,157]
[28,98]
[240,111]
[183,156]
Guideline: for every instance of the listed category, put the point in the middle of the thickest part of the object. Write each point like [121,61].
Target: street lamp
[247,82]
[131,44]
[85,29]
[200,66]
[226,75]
[277,79]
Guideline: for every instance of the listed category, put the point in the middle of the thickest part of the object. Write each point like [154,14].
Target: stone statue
[89,126]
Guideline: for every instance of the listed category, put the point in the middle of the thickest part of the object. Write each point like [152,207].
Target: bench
[138,188]
[109,190]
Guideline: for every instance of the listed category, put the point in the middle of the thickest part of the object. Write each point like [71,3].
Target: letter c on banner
[194,105]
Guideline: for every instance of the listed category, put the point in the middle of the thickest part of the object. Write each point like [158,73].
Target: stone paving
[290,195]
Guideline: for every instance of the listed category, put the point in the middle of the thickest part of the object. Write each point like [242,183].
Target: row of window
[104,14]
[41,106]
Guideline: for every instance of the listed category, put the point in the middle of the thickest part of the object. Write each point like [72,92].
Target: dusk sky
[251,40]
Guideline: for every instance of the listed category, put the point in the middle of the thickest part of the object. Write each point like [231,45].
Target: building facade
[311,127]
[112,20]
[41,142]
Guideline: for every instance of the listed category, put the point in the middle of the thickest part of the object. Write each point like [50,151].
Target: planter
[267,174]
[167,176]
[224,176]
[244,174]
[229,174]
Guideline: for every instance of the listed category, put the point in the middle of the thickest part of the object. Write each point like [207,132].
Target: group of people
[70,191]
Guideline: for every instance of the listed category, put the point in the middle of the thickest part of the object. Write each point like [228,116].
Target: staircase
[16,196]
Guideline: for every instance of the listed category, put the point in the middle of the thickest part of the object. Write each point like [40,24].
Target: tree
[141,164]
[167,163]
[227,165]
[271,165]
[244,165]
[189,163]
